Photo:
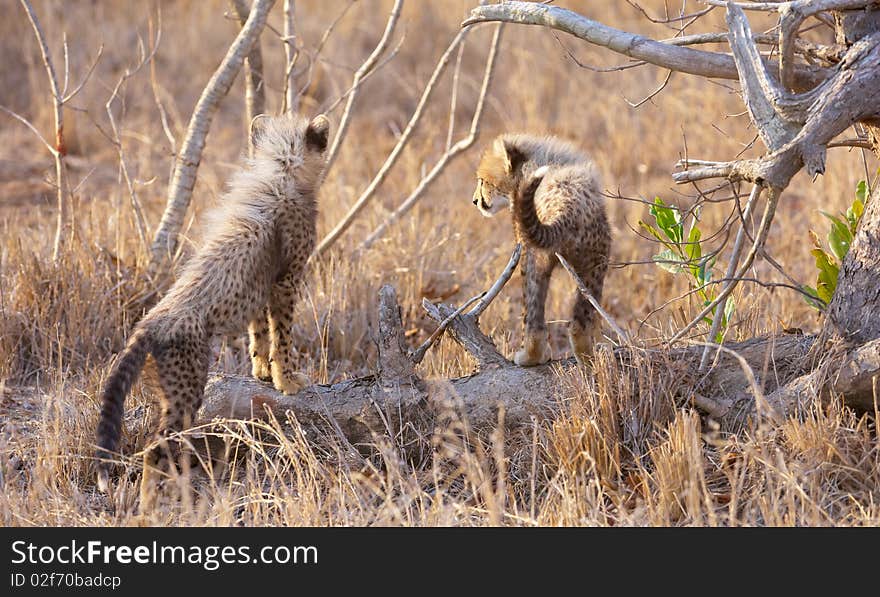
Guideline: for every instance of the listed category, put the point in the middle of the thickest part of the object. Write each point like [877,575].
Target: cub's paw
[535,351]
[260,368]
[288,383]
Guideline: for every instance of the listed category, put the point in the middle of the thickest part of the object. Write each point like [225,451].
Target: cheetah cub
[553,191]
[246,274]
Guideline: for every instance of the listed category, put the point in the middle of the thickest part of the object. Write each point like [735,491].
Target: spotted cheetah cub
[553,191]
[246,274]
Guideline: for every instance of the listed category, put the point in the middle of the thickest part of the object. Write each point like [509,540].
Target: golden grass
[621,452]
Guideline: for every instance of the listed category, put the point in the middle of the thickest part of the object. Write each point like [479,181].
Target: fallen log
[396,397]
[770,376]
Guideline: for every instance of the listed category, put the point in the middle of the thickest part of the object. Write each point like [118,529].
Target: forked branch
[450,154]
[672,57]
[362,72]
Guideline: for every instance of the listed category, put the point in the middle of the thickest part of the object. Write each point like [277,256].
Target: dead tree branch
[116,138]
[291,96]
[254,91]
[396,395]
[392,158]
[731,272]
[682,59]
[65,225]
[582,288]
[483,301]
[364,70]
[187,164]
[450,154]
[822,113]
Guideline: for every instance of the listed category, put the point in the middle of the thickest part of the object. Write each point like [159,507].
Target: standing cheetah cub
[553,190]
[246,274]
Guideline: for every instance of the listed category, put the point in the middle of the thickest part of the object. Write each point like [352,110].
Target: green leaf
[704,272]
[857,209]
[693,249]
[661,213]
[653,232]
[839,237]
[669,261]
[862,193]
[826,283]
[668,219]
[816,304]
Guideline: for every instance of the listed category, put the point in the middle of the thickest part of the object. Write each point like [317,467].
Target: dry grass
[621,453]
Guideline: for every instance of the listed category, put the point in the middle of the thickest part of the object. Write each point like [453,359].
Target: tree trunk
[852,314]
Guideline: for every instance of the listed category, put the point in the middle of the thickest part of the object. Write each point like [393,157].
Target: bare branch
[757,246]
[418,355]
[116,139]
[683,59]
[388,58]
[154,83]
[184,178]
[653,94]
[392,158]
[290,74]
[827,111]
[582,288]
[291,97]
[32,128]
[255,90]
[448,156]
[368,65]
[65,210]
[470,319]
[493,291]
[86,77]
[731,271]
[758,89]
[465,330]
[453,101]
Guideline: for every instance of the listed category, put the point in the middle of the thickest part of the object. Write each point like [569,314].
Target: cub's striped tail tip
[103,479]
[104,465]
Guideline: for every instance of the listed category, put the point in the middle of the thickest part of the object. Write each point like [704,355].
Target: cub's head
[498,176]
[295,144]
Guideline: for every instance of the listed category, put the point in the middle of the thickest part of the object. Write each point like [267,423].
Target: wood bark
[667,55]
[254,91]
[396,397]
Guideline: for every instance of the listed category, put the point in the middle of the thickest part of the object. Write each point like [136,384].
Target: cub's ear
[317,133]
[513,157]
[258,127]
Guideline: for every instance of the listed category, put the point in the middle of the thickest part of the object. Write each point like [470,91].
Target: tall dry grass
[623,451]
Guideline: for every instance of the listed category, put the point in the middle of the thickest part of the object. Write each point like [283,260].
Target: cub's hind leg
[281,306]
[537,269]
[583,328]
[260,345]
[182,368]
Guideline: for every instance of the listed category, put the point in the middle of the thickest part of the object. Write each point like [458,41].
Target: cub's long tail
[540,234]
[125,371]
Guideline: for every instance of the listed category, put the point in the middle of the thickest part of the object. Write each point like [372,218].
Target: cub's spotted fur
[246,274]
[553,190]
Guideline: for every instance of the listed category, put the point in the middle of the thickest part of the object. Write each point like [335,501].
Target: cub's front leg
[281,305]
